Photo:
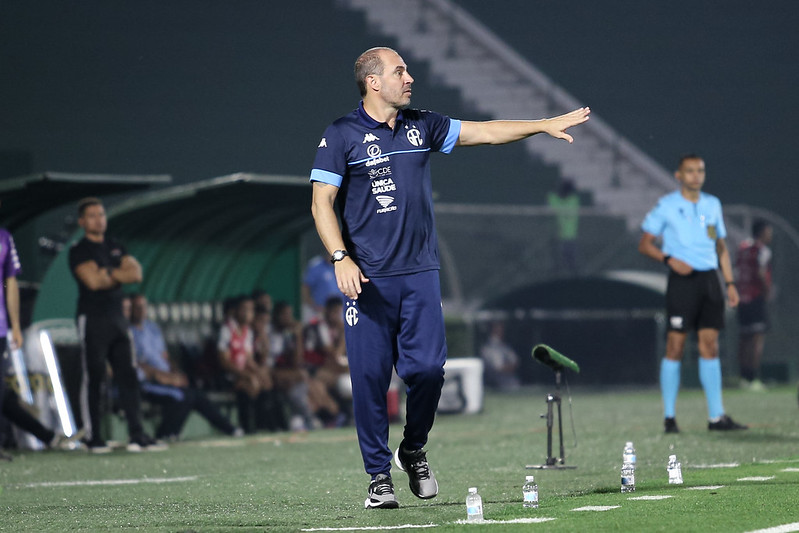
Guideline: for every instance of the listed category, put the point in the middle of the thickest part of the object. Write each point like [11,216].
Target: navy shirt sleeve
[330,164]
[443,131]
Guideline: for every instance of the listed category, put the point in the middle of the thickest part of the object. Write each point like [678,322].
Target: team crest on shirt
[414,136]
[351,314]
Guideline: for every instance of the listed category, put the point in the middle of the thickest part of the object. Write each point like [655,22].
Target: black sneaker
[670,424]
[144,443]
[98,446]
[725,423]
[420,478]
[381,493]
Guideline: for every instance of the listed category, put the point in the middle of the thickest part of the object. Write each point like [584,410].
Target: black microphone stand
[553,399]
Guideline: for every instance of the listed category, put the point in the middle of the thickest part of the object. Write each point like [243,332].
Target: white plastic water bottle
[474,506]
[530,490]
[628,477]
[628,454]
[628,468]
[675,471]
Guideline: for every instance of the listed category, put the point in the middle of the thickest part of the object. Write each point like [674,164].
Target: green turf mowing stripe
[109,482]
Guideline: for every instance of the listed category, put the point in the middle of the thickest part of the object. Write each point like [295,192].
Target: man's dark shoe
[98,446]
[381,494]
[725,423]
[670,424]
[421,479]
[144,443]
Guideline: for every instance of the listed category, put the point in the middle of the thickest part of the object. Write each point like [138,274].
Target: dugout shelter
[203,242]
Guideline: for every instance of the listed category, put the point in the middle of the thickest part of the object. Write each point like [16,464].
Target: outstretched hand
[557,126]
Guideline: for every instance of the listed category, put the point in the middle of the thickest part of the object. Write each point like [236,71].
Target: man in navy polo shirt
[375,163]
[692,226]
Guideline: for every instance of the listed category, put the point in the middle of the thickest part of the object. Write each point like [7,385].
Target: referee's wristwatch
[338,255]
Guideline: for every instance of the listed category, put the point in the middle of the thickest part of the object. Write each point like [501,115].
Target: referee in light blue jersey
[692,227]
[374,163]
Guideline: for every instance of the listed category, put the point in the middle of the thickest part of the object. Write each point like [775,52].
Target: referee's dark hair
[83,203]
[759,226]
[369,63]
[687,157]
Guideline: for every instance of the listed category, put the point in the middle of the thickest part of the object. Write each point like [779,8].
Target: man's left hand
[732,296]
[557,126]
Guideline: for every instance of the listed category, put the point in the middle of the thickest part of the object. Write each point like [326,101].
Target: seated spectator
[326,356]
[165,385]
[307,397]
[262,299]
[500,360]
[251,381]
[274,409]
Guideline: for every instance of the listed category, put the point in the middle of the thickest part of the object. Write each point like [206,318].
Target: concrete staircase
[495,80]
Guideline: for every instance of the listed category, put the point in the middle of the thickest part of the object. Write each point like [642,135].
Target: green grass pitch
[284,482]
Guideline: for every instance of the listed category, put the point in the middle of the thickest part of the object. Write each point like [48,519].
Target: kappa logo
[351,314]
[323,143]
[676,322]
[414,136]
[373,150]
[385,201]
[370,138]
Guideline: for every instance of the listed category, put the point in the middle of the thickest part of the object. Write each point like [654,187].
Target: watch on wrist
[338,255]
[666,259]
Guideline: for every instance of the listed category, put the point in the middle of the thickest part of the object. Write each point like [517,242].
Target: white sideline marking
[370,528]
[790,470]
[756,478]
[785,528]
[705,487]
[774,461]
[652,497]
[719,465]
[513,521]
[106,482]
[597,508]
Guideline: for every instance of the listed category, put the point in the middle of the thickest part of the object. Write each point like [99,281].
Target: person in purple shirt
[375,164]
[9,313]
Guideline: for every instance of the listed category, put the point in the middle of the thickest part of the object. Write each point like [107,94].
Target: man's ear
[373,82]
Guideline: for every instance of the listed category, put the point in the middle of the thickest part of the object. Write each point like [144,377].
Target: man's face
[691,174]
[245,313]
[767,235]
[93,220]
[138,310]
[334,315]
[395,82]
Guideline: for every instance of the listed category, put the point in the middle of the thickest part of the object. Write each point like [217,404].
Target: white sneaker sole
[399,465]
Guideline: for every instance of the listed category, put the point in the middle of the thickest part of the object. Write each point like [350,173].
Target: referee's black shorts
[695,301]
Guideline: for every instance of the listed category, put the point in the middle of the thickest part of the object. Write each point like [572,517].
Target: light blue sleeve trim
[331,178]
[452,136]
